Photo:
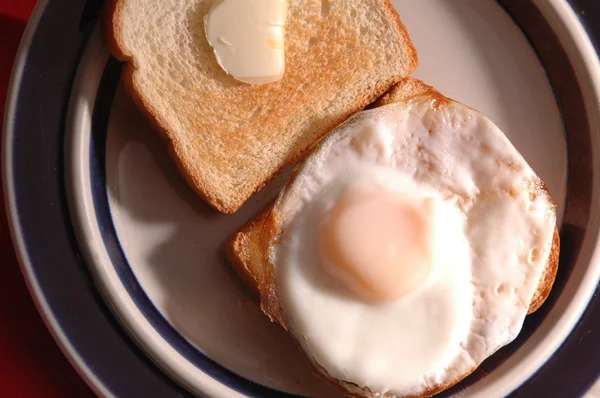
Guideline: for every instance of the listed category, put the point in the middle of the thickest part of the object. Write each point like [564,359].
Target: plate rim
[16,232]
[156,380]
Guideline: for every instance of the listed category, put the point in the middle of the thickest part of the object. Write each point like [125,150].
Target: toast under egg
[248,251]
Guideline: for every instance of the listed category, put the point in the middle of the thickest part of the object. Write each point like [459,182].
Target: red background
[31,365]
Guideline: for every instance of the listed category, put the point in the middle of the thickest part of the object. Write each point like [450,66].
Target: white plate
[471,50]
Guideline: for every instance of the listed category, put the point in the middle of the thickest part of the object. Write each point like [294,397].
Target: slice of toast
[244,249]
[229,138]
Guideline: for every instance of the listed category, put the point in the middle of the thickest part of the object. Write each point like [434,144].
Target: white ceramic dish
[162,271]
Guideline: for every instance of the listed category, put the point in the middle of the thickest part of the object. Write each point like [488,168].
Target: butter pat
[247,37]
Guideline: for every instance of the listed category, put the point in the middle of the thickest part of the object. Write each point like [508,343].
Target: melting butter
[247,37]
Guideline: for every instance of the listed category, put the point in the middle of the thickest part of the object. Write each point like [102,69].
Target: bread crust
[414,56]
[548,276]
[241,252]
[178,151]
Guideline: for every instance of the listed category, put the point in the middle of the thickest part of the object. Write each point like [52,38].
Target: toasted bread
[246,250]
[229,138]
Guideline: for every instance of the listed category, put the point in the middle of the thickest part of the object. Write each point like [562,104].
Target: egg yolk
[376,244]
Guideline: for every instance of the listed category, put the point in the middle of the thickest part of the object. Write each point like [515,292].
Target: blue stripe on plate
[115,252]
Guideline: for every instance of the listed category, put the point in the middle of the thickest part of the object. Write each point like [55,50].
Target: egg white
[497,232]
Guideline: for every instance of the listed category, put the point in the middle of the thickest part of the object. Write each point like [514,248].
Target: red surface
[31,365]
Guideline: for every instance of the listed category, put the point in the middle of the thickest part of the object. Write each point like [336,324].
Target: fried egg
[408,247]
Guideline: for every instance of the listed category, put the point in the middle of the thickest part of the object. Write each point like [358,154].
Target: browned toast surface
[229,138]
